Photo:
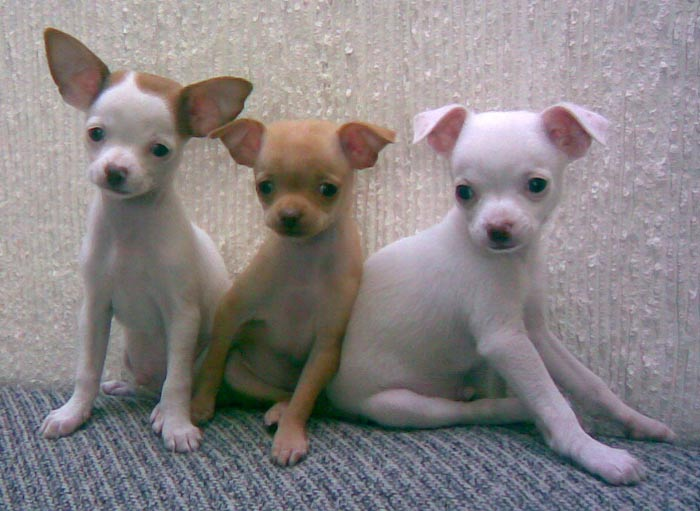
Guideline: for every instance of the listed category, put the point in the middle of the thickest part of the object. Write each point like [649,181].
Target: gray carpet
[115,462]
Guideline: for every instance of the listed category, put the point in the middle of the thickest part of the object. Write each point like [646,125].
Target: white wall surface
[623,250]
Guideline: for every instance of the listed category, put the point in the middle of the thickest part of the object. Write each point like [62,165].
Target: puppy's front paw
[620,467]
[65,420]
[615,466]
[179,435]
[290,445]
[183,437]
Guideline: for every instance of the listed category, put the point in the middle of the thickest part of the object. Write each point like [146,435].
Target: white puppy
[142,261]
[440,312]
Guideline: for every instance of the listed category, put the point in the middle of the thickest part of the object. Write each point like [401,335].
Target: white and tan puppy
[440,313]
[142,261]
[278,330]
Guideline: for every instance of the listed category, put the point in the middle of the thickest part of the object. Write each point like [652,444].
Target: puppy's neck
[138,214]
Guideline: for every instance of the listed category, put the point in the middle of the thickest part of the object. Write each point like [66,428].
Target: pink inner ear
[82,88]
[445,134]
[441,142]
[204,115]
[566,133]
[243,141]
[357,148]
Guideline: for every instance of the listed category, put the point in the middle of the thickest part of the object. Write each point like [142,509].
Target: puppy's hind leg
[594,394]
[404,408]
[585,386]
[246,386]
[120,388]
[143,362]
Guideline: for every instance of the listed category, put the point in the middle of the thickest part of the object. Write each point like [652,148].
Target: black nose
[115,175]
[290,218]
[499,235]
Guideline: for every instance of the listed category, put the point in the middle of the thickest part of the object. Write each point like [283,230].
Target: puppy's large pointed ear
[571,128]
[208,105]
[243,138]
[441,126]
[79,73]
[361,142]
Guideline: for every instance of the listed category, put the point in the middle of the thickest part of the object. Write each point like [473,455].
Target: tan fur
[278,330]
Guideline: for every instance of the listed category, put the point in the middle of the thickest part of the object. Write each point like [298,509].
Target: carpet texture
[115,462]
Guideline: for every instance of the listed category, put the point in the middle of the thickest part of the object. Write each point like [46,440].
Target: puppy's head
[304,170]
[137,124]
[508,166]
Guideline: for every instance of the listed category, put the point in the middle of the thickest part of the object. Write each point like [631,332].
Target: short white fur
[143,262]
[134,120]
[445,321]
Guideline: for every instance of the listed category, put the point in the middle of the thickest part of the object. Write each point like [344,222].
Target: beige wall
[624,247]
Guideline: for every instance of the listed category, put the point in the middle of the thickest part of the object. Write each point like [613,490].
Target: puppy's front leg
[231,314]
[582,383]
[290,443]
[94,326]
[171,417]
[510,352]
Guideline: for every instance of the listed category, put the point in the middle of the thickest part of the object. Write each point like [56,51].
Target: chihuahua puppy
[445,317]
[278,330]
[142,261]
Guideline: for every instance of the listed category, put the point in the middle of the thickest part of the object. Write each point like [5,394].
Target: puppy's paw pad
[118,388]
[274,414]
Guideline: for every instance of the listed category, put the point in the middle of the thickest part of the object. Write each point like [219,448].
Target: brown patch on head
[166,88]
[115,78]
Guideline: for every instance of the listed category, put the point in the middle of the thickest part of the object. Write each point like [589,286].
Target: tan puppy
[278,330]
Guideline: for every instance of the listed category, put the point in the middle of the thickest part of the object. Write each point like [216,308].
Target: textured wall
[623,250]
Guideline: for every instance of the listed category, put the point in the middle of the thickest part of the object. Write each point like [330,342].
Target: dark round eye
[159,150]
[96,134]
[328,189]
[537,185]
[464,192]
[265,187]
